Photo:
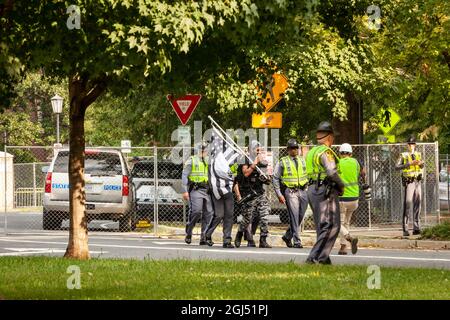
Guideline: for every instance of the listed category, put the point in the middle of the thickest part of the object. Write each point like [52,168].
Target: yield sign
[184,106]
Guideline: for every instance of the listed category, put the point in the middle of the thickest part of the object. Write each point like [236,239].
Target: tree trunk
[350,130]
[80,98]
[78,235]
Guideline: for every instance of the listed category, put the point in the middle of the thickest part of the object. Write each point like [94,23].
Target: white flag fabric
[221,158]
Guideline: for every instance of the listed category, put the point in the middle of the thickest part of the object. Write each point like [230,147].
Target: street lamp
[57,104]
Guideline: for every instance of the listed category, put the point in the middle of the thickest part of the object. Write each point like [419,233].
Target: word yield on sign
[184,106]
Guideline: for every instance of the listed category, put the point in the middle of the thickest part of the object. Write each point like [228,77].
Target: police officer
[290,182]
[411,165]
[325,186]
[349,170]
[251,187]
[195,186]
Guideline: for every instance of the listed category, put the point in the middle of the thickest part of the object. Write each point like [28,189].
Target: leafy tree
[411,66]
[33,95]
[10,66]
[20,131]
[119,44]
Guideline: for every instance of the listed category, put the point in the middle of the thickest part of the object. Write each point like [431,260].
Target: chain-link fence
[444,182]
[141,190]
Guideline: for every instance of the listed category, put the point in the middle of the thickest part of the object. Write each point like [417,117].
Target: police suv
[171,206]
[109,192]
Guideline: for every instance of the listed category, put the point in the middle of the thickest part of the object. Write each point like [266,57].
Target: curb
[275,241]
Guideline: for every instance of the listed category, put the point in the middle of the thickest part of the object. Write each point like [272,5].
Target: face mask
[252,149]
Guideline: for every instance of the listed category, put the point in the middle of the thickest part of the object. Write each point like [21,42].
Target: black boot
[188,239]
[209,241]
[251,244]
[228,245]
[250,241]
[238,239]
[263,243]
[287,241]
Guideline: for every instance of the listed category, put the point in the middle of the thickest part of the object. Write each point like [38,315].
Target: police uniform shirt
[400,165]
[278,172]
[329,163]
[185,175]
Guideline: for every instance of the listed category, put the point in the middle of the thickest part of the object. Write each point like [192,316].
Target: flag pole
[233,144]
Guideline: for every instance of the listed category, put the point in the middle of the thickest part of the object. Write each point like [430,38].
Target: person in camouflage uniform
[254,199]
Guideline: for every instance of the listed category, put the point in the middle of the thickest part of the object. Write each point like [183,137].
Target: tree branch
[98,88]
[446,57]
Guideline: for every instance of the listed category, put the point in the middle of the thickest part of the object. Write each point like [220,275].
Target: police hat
[325,126]
[292,144]
[411,139]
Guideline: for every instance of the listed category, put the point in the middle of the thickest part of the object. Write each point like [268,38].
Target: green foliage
[33,95]
[20,128]
[226,49]
[121,42]
[438,232]
[20,131]
[412,67]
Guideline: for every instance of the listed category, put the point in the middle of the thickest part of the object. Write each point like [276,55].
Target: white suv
[109,192]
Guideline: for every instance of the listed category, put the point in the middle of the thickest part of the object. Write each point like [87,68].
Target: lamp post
[57,104]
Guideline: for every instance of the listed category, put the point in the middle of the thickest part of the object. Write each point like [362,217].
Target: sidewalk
[387,239]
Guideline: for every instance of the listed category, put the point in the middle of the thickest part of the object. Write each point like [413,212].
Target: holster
[198,185]
[408,180]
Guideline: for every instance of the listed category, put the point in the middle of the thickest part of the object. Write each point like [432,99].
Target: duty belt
[319,184]
[296,188]
[200,185]
[407,180]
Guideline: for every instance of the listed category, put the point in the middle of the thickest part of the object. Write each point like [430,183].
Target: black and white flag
[222,156]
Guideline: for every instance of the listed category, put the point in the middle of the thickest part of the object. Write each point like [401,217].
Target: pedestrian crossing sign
[273,92]
[387,119]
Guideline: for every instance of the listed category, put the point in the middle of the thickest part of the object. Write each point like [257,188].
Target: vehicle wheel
[51,221]
[133,220]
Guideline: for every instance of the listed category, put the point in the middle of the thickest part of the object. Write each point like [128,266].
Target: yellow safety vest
[293,177]
[349,172]
[411,171]
[199,171]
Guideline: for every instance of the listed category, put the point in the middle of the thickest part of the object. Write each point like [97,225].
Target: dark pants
[412,204]
[200,206]
[297,203]
[223,211]
[328,222]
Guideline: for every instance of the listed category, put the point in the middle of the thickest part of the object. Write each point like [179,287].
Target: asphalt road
[107,245]
[32,221]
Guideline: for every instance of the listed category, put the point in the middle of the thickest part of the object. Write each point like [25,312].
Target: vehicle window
[101,163]
[166,170]
[142,170]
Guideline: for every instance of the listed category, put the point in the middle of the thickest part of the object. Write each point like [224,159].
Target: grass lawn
[46,278]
